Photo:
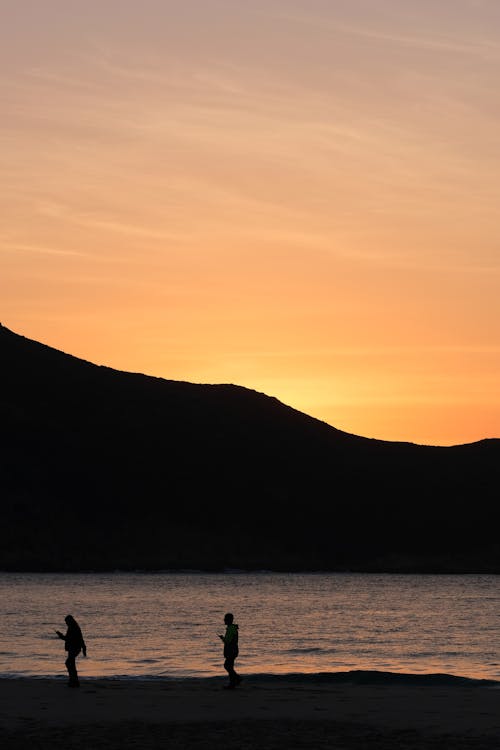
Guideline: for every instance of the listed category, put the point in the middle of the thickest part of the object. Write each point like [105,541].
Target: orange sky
[298,196]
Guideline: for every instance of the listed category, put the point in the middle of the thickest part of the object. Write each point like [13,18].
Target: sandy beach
[264,712]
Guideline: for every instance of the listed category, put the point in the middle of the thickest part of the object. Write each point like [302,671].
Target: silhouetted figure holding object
[230,640]
[74,643]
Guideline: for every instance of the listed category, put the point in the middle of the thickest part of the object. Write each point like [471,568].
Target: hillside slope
[102,469]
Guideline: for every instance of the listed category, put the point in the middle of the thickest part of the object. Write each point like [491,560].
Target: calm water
[166,625]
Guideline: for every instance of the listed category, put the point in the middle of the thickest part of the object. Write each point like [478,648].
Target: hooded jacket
[231,641]
[74,642]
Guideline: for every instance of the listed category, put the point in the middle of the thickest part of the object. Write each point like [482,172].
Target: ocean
[165,625]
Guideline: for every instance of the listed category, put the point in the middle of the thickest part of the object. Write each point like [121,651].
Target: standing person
[230,640]
[74,643]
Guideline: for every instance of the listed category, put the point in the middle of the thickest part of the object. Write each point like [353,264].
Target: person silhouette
[74,643]
[230,640]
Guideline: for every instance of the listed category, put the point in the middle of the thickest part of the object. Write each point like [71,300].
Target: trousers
[229,667]
[71,667]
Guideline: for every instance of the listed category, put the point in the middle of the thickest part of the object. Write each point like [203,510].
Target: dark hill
[102,469]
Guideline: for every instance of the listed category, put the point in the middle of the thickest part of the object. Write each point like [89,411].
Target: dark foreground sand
[265,713]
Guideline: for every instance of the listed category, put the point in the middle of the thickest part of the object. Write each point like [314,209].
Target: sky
[297,196]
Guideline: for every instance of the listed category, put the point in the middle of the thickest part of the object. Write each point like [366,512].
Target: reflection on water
[166,625]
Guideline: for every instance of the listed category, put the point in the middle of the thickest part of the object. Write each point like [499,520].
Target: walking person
[230,640]
[74,643]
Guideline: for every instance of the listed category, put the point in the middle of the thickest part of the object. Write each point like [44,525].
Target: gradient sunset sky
[297,196]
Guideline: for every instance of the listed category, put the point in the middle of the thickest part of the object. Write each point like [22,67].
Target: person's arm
[84,648]
[61,636]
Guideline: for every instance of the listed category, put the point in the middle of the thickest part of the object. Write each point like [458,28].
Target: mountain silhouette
[102,470]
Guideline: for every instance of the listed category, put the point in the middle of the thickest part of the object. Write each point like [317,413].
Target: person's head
[228,618]
[69,620]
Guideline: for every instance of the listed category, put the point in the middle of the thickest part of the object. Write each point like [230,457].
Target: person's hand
[60,634]
[221,636]
[85,652]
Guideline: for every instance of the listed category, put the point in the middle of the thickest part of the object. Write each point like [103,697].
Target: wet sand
[274,713]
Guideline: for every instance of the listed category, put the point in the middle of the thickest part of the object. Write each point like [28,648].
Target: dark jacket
[231,641]
[73,639]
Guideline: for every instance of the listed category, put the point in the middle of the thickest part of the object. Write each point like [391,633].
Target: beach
[347,711]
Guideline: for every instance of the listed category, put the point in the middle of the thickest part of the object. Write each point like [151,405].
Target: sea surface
[165,625]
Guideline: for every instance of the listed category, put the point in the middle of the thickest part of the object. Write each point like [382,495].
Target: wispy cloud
[16,247]
[484,48]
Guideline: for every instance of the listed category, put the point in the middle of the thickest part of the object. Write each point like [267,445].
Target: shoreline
[266,711]
[353,676]
[424,571]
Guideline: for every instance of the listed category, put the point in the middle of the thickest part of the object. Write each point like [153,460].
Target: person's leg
[236,675]
[71,667]
[229,667]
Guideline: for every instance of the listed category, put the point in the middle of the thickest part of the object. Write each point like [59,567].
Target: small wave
[25,675]
[312,650]
[375,677]
[111,636]
[144,661]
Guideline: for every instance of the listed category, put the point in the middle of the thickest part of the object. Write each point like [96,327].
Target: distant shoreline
[251,571]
